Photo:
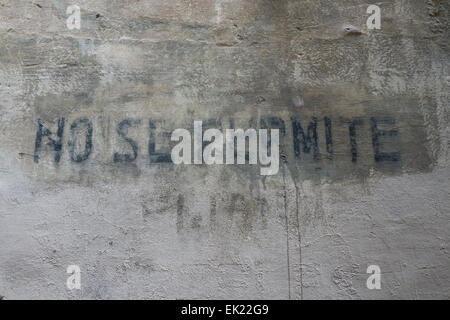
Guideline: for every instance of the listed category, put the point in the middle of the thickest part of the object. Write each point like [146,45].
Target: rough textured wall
[85,123]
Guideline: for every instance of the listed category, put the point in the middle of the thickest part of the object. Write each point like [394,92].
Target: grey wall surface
[373,191]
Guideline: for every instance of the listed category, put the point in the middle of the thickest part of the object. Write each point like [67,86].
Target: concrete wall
[374,190]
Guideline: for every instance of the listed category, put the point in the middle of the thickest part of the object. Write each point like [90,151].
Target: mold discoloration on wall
[86,177]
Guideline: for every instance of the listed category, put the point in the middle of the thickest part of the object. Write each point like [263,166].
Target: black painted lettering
[353,143]
[328,136]
[43,131]
[309,140]
[74,155]
[122,130]
[377,133]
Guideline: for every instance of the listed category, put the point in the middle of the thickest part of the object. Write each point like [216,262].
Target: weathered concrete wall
[374,190]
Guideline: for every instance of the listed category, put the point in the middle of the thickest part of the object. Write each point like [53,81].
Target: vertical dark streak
[298,233]
[287,231]
[213,209]
[329,136]
[299,239]
[353,145]
[180,207]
